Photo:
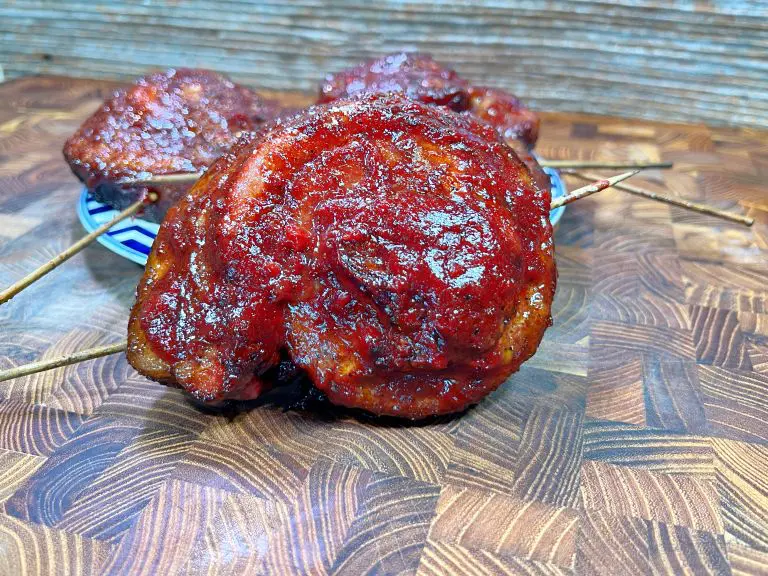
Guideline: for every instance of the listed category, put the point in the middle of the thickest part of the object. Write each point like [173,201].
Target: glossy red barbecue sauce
[385,245]
[506,113]
[168,122]
[417,76]
[421,78]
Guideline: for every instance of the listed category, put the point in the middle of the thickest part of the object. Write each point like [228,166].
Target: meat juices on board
[397,252]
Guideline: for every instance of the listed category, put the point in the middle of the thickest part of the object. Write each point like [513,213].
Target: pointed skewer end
[600,184]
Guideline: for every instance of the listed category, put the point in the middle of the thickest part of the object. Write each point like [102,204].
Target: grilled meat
[399,253]
[169,122]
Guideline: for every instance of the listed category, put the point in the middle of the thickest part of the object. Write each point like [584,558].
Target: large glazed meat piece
[417,76]
[399,253]
[169,122]
[538,175]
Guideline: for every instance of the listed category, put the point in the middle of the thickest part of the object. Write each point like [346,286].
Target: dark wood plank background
[695,61]
[634,442]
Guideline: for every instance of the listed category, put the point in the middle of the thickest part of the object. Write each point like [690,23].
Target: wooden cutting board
[635,441]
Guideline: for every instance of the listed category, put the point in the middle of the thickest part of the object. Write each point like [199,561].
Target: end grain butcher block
[634,442]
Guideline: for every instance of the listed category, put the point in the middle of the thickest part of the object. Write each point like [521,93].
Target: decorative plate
[132,238]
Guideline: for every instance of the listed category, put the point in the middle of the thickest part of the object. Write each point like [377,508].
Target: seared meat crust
[169,122]
[399,253]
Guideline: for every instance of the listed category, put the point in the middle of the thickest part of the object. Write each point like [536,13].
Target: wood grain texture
[34,549]
[679,550]
[648,449]
[634,442]
[166,531]
[747,561]
[689,61]
[613,544]
[615,385]
[388,534]
[742,485]
[506,526]
[440,558]
[638,493]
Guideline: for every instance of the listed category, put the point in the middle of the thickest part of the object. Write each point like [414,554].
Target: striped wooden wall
[688,60]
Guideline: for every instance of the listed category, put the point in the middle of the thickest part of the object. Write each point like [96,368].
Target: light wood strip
[665,342]
[735,403]
[15,468]
[743,489]
[506,526]
[235,540]
[649,449]
[240,469]
[166,532]
[646,309]
[747,561]
[35,430]
[141,400]
[34,549]
[615,385]
[440,558]
[549,457]
[675,499]
[485,452]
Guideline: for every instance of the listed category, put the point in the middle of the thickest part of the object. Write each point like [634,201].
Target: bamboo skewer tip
[163,179]
[679,202]
[588,190]
[75,248]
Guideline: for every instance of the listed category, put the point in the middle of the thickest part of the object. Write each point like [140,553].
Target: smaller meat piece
[506,113]
[170,122]
[420,78]
[417,76]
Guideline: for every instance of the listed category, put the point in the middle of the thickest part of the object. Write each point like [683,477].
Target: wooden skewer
[191,177]
[62,257]
[600,184]
[91,353]
[165,179]
[603,165]
[687,204]
[74,358]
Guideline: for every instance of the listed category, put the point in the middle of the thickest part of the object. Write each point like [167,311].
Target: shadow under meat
[293,391]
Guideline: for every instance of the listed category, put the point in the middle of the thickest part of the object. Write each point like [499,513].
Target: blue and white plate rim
[132,238]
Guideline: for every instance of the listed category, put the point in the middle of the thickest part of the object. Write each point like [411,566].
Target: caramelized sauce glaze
[168,122]
[399,253]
